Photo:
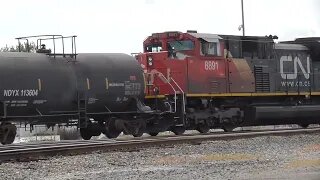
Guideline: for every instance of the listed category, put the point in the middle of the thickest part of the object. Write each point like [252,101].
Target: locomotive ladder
[82,110]
[179,99]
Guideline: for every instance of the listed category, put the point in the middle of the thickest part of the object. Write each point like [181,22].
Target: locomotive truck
[181,81]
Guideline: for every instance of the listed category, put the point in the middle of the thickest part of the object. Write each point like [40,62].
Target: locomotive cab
[177,56]
[180,46]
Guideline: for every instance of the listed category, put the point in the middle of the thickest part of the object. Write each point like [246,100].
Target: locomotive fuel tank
[37,85]
[267,115]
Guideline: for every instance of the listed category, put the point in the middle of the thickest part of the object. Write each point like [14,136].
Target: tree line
[23,48]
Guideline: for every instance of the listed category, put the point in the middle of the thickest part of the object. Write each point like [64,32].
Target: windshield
[183,45]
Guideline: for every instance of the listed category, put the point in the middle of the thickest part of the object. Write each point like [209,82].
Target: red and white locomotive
[225,81]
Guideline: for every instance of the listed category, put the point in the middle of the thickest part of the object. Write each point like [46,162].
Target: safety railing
[168,81]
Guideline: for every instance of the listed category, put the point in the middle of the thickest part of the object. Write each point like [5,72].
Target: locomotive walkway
[35,151]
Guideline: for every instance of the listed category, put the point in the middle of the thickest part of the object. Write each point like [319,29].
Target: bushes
[69,133]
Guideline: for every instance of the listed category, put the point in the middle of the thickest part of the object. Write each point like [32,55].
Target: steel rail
[34,151]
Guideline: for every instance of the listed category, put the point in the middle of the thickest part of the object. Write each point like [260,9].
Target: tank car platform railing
[48,52]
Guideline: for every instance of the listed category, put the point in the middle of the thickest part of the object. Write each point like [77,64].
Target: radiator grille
[261,79]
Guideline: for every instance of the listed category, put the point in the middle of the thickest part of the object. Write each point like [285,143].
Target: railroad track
[35,151]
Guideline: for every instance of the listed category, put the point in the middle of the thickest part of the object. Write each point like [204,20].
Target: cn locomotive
[181,81]
[225,81]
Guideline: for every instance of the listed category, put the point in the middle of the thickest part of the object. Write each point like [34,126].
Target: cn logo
[296,62]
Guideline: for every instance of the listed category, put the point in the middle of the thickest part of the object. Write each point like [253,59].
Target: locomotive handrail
[175,92]
[183,95]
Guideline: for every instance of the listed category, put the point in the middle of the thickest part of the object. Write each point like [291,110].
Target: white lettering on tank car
[40,101]
[211,65]
[19,103]
[116,84]
[20,93]
[10,93]
[132,88]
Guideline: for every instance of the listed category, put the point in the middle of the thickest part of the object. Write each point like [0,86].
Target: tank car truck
[99,93]
[225,81]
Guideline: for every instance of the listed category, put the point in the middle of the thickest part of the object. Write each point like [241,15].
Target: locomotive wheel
[304,125]
[153,133]
[178,130]
[111,130]
[85,134]
[203,128]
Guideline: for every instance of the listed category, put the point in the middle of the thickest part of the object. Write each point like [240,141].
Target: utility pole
[243,30]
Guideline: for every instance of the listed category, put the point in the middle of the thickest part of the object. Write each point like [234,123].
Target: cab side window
[209,48]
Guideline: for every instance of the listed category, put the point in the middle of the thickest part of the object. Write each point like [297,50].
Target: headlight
[150,61]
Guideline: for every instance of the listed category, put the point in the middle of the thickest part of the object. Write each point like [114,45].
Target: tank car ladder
[179,99]
[82,110]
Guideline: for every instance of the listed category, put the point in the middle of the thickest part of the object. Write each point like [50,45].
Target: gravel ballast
[275,157]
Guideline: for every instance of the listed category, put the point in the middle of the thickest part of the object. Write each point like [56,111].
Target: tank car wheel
[153,133]
[10,132]
[112,133]
[126,132]
[178,130]
[137,129]
[85,134]
[138,132]
[203,128]
[228,128]
[304,125]
[111,130]
[10,138]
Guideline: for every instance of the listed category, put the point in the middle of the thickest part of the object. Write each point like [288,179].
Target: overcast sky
[122,25]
